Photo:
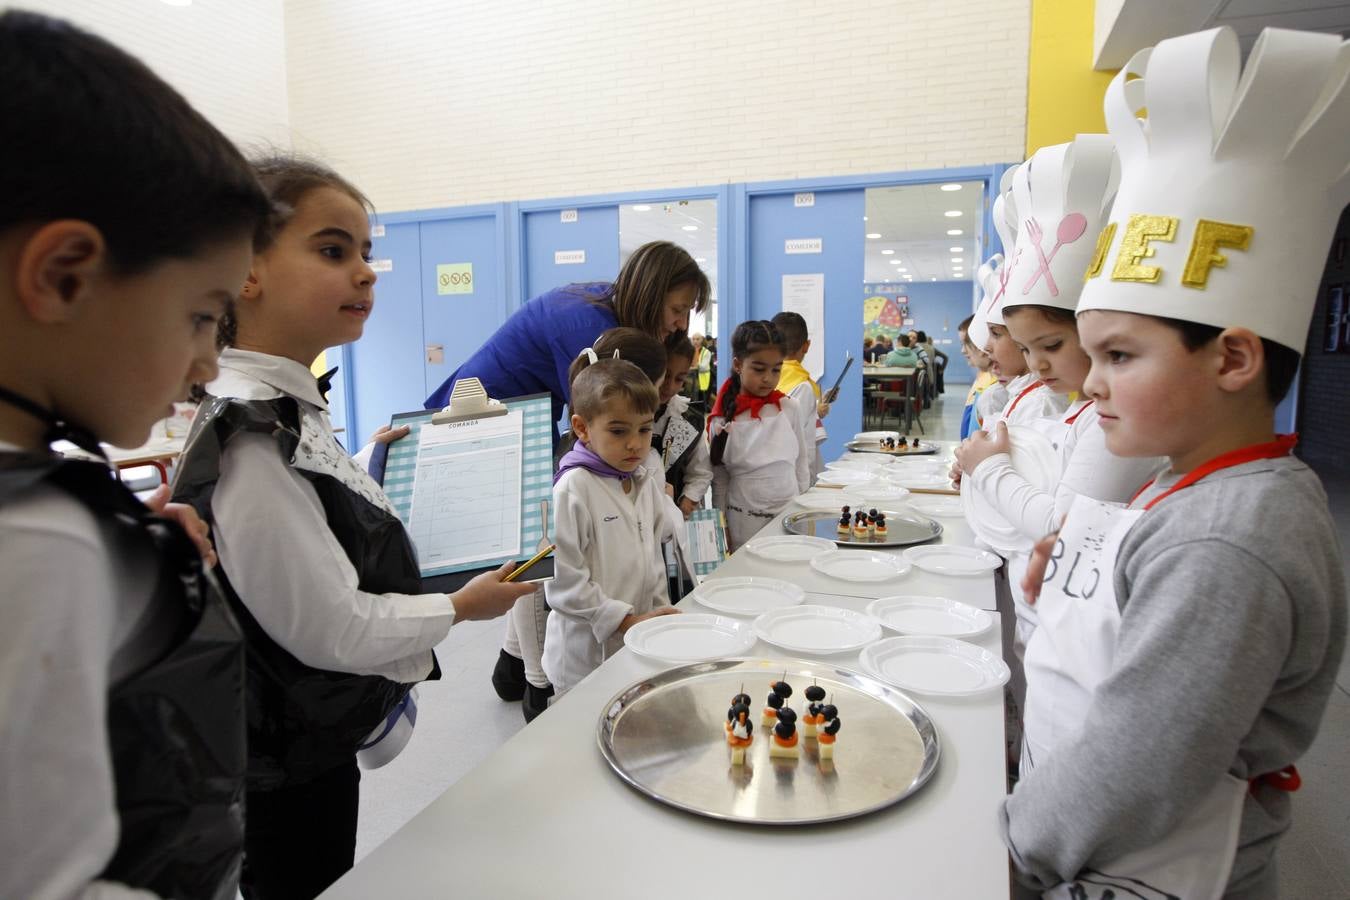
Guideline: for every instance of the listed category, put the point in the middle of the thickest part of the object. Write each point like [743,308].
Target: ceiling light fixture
[951,187]
[952,213]
[873,236]
[887,252]
[689,227]
[954,232]
[641,207]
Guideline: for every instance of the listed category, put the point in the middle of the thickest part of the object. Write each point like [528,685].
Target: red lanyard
[1283,445]
[1027,390]
[1074,418]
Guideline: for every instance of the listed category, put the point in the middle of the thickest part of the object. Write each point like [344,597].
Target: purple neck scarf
[583,457]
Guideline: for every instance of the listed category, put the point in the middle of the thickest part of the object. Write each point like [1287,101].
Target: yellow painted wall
[1064,93]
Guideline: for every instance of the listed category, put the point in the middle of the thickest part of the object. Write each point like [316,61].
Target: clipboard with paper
[473,483]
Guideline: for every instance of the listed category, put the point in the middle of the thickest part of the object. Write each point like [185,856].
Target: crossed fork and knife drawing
[1070,229]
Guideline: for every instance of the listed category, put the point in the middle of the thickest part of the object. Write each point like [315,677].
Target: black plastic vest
[302,721]
[675,467]
[176,726]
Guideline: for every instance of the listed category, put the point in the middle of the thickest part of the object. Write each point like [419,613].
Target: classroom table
[545,815]
[895,373]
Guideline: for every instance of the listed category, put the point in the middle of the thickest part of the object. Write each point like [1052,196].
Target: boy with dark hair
[125,234]
[798,384]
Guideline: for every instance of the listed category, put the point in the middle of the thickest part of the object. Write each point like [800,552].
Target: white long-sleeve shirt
[608,564]
[78,617]
[1088,468]
[282,559]
[1026,406]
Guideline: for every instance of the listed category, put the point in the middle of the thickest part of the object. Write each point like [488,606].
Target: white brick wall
[432,103]
[226,56]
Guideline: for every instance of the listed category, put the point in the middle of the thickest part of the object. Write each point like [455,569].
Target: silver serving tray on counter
[875,447]
[665,736]
[904,529]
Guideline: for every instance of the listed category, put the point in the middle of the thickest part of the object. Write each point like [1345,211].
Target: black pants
[300,839]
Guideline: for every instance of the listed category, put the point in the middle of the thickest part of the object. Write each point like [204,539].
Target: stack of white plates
[847,477]
[828,499]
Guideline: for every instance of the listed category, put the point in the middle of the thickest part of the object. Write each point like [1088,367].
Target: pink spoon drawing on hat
[1071,228]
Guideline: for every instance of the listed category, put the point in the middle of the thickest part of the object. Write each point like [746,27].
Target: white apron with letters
[1056,430]
[1070,653]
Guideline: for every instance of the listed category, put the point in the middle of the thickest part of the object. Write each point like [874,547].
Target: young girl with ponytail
[759,449]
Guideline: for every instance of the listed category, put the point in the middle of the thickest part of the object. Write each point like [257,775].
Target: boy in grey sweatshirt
[1171,708]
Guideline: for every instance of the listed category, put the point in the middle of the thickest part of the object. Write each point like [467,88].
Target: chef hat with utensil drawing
[991,273]
[1232,181]
[1063,195]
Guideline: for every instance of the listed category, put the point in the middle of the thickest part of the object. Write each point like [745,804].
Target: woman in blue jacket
[531,353]
[655,291]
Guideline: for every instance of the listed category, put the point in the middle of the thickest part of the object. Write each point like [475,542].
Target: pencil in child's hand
[529,562]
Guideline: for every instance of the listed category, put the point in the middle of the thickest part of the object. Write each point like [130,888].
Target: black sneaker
[508,676]
[536,700]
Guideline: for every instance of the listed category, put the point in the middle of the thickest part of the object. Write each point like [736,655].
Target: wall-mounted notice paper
[568,215]
[568,257]
[382,265]
[805,295]
[454,278]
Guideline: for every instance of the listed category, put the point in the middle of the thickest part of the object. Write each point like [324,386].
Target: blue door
[836,220]
[386,363]
[463,296]
[561,252]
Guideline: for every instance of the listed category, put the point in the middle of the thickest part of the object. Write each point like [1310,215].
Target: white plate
[828,499]
[690,637]
[942,507]
[876,435]
[932,616]
[847,477]
[880,493]
[1037,461]
[859,565]
[949,559]
[817,629]
[789,548]
[747,596]
[934,665]
[919,478]
[863,463]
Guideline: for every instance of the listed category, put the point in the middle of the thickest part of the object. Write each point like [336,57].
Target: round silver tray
[666,737]
[904,529]
[875,447]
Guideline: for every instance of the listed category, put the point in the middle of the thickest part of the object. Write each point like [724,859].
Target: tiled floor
[461,722]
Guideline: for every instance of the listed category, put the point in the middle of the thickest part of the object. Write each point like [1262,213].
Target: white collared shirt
[282,559]
[78,617]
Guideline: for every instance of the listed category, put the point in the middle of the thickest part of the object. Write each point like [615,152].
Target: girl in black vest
[315,562]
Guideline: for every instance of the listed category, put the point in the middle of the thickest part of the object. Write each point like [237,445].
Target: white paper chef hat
[1063,196]
[987,278]
[1230,187]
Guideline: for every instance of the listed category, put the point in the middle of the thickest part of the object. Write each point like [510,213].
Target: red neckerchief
[1027,390]
[744,401]
[1283,445]
[1074,418]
